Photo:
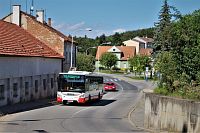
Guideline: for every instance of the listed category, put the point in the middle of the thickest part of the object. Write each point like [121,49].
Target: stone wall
[171,114]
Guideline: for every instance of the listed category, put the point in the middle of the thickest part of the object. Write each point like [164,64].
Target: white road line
[80,111]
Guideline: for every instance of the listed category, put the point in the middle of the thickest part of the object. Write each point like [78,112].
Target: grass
[178,94]
[111,72]
[140,78]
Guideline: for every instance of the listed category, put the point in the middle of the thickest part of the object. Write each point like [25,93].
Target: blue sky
[102,16]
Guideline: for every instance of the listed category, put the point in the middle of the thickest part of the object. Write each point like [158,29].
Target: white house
[28,67]
[123,53]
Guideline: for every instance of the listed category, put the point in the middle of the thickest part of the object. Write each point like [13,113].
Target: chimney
[49,21]
[16,18]
[40,15]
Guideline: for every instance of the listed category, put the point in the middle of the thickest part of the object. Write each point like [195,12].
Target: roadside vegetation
[175,62]
[177,53]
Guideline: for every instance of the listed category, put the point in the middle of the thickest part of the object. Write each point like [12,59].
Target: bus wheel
[64,102]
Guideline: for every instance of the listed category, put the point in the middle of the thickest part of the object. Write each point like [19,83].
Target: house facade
[123,53]
[143,45]
[24,61]
[46,33]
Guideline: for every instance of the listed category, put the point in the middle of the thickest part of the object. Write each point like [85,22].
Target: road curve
[108,115]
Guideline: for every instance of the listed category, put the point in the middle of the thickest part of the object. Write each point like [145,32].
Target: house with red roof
[29,67]
[123,53]
[44,31]
[143,45]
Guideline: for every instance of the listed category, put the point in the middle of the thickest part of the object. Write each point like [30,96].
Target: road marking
[79,111]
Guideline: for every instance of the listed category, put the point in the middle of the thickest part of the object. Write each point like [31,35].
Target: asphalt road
[108,115]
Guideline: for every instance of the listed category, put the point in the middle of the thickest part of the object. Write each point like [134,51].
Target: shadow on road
[21,107]
[102,102]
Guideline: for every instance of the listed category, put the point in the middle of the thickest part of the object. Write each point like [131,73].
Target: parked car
[110,86]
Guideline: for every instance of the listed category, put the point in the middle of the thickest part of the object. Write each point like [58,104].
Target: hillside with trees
[116,39]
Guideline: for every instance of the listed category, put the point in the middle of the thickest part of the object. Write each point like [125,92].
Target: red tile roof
[126,51]
[66,38]
[146,51]
[15,41]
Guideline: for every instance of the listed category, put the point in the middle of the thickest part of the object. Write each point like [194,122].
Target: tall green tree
[162,28]
[108,60]
[85,62]
[186,45]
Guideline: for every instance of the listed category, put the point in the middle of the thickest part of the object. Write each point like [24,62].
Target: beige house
[143,45]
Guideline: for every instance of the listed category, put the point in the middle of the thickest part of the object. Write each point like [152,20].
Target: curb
[142,91]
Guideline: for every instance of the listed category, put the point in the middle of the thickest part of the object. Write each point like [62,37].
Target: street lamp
[86,51]
[72,44]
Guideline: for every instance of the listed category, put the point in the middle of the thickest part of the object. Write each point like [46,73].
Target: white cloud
[69,27]
[120,30]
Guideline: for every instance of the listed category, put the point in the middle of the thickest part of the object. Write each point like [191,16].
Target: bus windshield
[71,83]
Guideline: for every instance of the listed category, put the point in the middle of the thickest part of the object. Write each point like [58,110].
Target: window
[1,92]
[51,83]
[36,86]
[15,88]
[26,88]
[113,49]
[44,84]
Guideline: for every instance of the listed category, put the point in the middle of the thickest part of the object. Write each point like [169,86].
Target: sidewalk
[20,107]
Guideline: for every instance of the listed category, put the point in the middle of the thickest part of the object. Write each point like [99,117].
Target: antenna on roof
[26,6]
[45,14]
[31,9]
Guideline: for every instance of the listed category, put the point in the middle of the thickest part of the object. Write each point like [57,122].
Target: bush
[161,90]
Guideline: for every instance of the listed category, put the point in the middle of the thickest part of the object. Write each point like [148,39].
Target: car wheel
[89,98]
[99,96]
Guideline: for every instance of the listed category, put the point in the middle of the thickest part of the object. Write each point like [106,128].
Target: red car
[110,86]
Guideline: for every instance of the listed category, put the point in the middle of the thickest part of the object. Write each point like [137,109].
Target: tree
[85,62]
[162,29]
[138,63]
[186,45]
[108,60]
[117,39]
[167,66]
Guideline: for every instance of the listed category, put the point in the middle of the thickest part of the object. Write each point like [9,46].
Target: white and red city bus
[79,87]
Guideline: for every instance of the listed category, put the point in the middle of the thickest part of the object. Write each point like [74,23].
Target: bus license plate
[70,101]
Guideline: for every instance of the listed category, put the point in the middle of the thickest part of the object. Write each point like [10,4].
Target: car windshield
[109,84]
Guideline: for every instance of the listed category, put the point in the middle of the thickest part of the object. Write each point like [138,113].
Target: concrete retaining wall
[171,114]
